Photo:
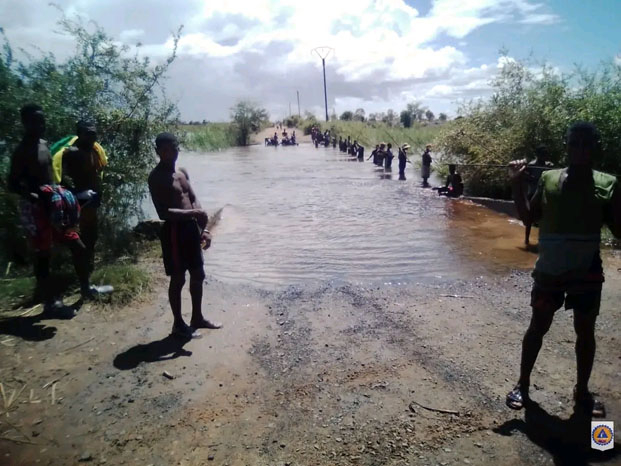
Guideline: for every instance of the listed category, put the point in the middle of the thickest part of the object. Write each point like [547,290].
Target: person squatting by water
[454,186]
[571,206]
[49,213]
[426,166]
[183,234]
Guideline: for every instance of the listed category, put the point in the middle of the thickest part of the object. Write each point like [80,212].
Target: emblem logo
[602,435]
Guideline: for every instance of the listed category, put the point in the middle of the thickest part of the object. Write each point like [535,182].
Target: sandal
[589,405]
[517,398]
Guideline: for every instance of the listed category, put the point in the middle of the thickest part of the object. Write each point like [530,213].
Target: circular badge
[602,435]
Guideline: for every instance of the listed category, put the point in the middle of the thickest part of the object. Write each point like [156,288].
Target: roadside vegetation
[530,107]
[207,136]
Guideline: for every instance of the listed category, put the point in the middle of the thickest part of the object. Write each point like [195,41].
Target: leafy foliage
[247,117]
[530,108]
[111,84]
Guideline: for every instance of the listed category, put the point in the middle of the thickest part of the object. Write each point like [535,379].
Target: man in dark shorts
[183,235]
[30,177]
[571,206]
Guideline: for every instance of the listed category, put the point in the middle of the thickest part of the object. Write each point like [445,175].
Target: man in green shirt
[571,206]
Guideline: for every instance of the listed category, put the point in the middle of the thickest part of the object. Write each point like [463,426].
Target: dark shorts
[552,300]
[181,247]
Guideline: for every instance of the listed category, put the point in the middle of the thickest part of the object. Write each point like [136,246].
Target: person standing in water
[388,157]
[403,159]
[183,235]
[571,206]
[426,166]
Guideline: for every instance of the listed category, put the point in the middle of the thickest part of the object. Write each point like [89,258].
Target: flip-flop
[516,398]
[590,405]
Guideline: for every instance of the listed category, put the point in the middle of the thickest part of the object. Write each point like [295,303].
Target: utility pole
[323,52]
[299,115]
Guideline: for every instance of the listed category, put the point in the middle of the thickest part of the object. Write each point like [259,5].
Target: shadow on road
[170,347]
[567,440]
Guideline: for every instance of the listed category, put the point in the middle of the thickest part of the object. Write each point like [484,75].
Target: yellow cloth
[57,159]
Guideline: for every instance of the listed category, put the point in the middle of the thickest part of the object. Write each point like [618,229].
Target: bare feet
[205,323]
[183,330]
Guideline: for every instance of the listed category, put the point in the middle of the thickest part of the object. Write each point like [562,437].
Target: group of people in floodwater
[60,192]
[285,141]
[383,156]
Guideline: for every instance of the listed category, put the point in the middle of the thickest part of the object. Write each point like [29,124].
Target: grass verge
[209,137]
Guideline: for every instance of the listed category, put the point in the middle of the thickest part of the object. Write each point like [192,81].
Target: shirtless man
[30,174]
[183,234]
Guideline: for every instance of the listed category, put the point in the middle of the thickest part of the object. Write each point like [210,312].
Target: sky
[385,53]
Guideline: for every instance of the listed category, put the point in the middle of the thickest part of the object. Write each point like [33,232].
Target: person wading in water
[426,166]
[403,158]
[571,206]
[183,235]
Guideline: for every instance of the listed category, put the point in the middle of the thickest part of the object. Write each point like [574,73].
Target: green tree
[347,116]
[406,119]
[429,115]
[247,118]
[359,114]
[442,117]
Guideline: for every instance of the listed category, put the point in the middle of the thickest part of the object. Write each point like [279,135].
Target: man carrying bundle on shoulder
[78,163]
[571,205]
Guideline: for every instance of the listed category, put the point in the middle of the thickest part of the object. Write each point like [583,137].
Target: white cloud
[386,52]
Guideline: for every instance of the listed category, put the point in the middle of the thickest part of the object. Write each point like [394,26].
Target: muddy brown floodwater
[352,303]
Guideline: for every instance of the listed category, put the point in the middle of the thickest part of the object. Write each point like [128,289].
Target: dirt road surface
[312,375]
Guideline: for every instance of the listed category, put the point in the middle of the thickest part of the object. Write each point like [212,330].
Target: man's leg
[177,281]
[197,277]
[544,305]
[42,276]
[80,263]
[584,325]
[540,323]
[88,234]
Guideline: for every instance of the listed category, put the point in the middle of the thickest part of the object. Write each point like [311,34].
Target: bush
[528,109]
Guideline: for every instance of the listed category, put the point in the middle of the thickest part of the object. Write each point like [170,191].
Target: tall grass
[209,137]
[371,133]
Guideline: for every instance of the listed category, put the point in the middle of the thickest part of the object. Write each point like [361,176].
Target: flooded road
[299,214]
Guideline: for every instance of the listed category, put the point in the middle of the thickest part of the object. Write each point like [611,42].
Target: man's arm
[615,218]
[159,195]
[202,218]
[15,180]
[66,179]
